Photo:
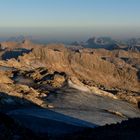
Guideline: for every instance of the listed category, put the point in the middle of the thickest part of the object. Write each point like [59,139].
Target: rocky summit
[67,89]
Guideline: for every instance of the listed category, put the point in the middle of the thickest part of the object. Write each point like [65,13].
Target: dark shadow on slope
[42,122]
[35,123]
[126,130]
[8,103]
[15,53]
[12,130]
[138,74]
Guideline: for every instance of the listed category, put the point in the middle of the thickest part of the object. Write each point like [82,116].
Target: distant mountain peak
[19,38]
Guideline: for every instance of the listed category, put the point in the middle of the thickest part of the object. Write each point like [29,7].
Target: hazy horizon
[69,20]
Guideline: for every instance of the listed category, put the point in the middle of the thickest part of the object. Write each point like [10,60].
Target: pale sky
[70,19]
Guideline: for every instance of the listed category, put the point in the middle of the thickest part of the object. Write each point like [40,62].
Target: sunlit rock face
[108,68]
[116,71]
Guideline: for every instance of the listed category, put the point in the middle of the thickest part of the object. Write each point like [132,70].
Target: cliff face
[112,69]
[24,44]
[10,50]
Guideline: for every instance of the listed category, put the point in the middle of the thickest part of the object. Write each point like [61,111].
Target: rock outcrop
[113,73]
[103,67]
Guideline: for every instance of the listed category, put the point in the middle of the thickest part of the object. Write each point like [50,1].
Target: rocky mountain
[73,87]
[10,49]
[108,68]
[19,38]
[101,42]
[98,42]
[110,44]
